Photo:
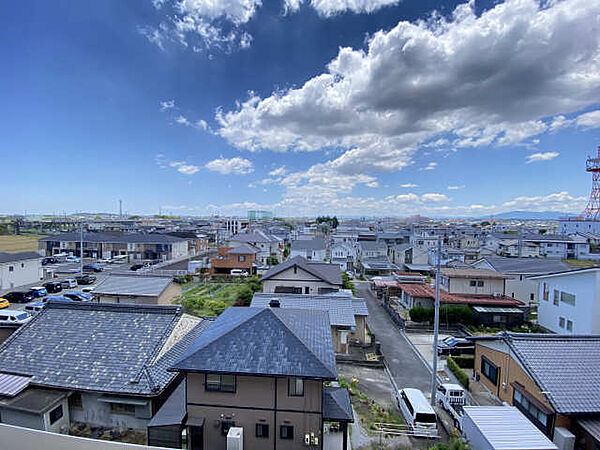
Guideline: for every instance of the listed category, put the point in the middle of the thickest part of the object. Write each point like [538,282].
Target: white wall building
[570,301]
[577,226]
[18,269]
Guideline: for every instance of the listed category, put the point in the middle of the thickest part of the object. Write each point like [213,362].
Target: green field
[211,299]
[13,243]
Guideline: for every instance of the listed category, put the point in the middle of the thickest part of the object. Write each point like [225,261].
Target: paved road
[407,368]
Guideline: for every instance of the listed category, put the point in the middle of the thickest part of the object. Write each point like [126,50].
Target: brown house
[230,258]
[552,379]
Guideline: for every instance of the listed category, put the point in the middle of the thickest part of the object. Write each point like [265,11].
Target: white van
[417,412]
[239,273]
[12,316]
[34,308]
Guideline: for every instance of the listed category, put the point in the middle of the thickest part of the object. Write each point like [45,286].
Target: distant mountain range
[530,215]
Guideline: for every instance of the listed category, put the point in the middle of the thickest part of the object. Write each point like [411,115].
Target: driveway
[406,366]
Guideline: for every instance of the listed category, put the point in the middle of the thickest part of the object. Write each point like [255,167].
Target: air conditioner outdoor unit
[235,438]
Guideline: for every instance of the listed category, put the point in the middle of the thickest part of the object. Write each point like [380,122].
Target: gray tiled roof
[256,236]
[264,341]
[565,367]
[99,237]
[21,256]
[336,405]
[360,307]
[526,265]
[330,273]
[138,285]
[340,309]
[372,245]
[309,244]
[90,346]
[244,249]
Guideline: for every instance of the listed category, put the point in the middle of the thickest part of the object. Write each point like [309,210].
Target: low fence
[399,321]
[394,429]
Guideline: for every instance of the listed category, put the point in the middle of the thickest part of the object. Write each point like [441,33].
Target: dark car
[136,267]
[85,279]
[49,260]
[78,296]
[455,346]
[19,297]
[38,291]
[53,287]
[92,268]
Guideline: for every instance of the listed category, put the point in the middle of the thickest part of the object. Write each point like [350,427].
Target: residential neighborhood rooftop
[326,271]
[134,285]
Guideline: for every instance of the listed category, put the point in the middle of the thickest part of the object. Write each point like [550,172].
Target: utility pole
[436,321]
[81,248]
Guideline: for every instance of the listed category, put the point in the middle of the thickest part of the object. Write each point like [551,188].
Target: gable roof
[264,342]
[565,367]
[327,272]
[244,249]
[336,404]
[255,236]
[423,290]
[525,265]
[138,285]
[308,244]
[471,272]
[98,347]
[20,256]
[341,309]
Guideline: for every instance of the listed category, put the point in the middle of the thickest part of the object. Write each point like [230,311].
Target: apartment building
[18,269]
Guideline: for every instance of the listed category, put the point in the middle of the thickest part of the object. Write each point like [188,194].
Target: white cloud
[434,197]
[279,172]
[590,119]
[373,184]
[236,166]
[184,168]
[183,121]
[408,185]
[456,187]
[328,8]
[167,104]
[545,156]
[430,166]
[476,80]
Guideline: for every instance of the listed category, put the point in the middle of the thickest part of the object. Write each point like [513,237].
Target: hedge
[451,314]
[464,361]
[462,377]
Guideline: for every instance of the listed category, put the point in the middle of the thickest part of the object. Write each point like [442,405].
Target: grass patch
[581,263]
[369,412]
[14,243]
[211,299]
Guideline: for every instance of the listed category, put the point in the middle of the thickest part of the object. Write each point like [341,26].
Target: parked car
[88,289]
[120,259]
[49,260]
[79,296]
[69,283]
[418,413]
[103,261]
[38,291]
[12,316]
[239,273]
[34,308]
[62,298]
[72,259]
[53,287]
[4,303]
[137,267]
[85,279]
[455,346]
[92,268]
[19,297]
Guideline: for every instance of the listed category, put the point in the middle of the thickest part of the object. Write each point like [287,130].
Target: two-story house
[473,281]
[269,246]
[300,276]
[311,249]
[570,301]
[258,374]
[343,254]
[242,257]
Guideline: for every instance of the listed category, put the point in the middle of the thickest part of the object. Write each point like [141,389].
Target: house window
[546,295]
[262,430]
[480,283]
[22,265]
[11,268]
[473,283]
[499,319]
[532,412]
[220,383]
[567,298]
[532,296]
[225,426]
[286,432]
[561,322]
[241,258]
[306,290]
[122,409]
[556,297]
[295,387]
[569,325]
[489,369]
[75,401]
[56,414]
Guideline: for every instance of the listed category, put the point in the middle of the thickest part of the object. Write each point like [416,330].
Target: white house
[344,255]
[557,246]
[18,269]
[311,249]
[570,301]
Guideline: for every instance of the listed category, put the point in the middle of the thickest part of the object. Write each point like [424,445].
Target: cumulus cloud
[235,166]
[434,197]
[456,187]
[474,79]
[167,104]
[184,168]
[430,166]
[328,8]
[545,156]
[590,119]
[279,172]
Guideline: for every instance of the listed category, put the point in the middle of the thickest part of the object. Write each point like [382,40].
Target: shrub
[464,361]
[450,314]
[458,372]
[420,314]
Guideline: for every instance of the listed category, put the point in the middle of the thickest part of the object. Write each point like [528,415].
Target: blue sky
[348,107]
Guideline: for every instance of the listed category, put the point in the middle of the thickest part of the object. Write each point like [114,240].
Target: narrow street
[406,367]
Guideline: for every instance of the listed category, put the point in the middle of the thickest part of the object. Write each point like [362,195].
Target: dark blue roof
[264,341]
[336,405]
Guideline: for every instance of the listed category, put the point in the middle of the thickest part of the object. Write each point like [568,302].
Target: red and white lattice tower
[592,210]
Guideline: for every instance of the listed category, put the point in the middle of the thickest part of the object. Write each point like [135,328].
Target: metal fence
[394,429]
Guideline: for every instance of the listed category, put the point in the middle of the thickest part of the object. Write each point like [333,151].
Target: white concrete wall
[300,279]
[585,315]
[23,272]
